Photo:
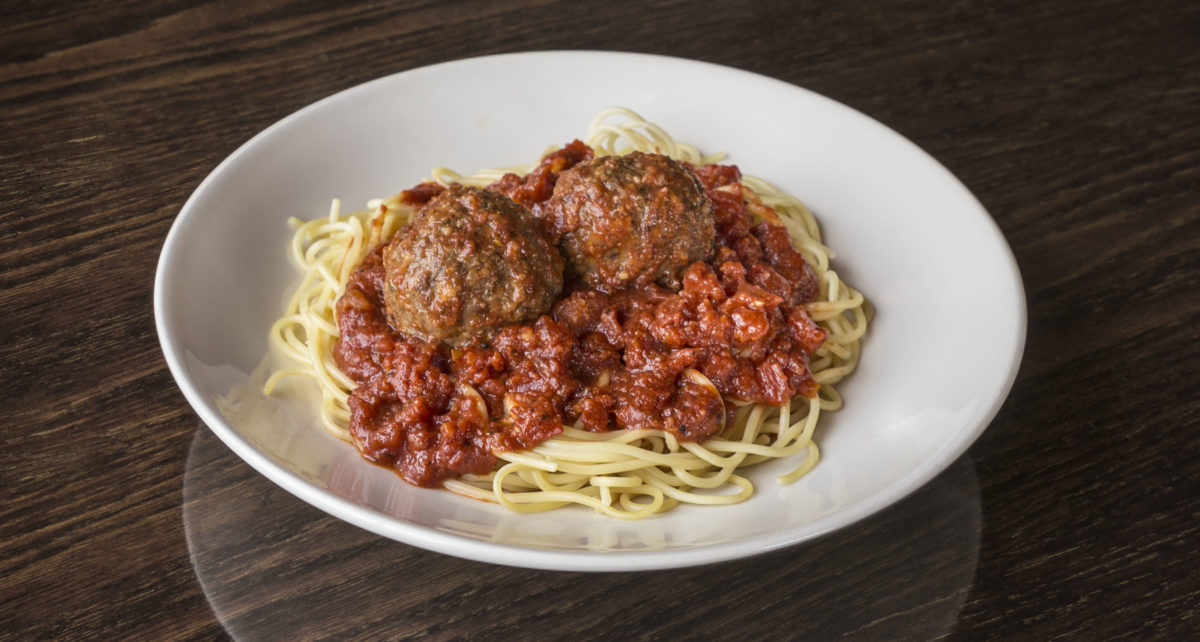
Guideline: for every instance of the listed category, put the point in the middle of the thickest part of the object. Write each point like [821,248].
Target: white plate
[940,357]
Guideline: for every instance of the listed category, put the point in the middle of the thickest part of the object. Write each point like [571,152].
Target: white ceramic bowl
[940,357]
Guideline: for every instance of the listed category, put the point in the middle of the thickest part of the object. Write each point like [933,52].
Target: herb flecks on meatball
[633,219]
[470,262]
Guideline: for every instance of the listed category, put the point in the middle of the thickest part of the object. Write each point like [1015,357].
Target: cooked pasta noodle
[626,474]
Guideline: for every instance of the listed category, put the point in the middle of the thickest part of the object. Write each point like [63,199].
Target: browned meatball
[632,219]
[471,261]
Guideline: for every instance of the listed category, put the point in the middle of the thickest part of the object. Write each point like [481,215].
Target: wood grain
[1075,515]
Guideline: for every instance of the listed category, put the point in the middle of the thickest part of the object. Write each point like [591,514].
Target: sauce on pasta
[645,356]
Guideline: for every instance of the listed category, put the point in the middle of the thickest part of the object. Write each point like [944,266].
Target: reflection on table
[269,563]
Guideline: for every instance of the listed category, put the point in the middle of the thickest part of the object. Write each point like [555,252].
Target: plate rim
[432,539]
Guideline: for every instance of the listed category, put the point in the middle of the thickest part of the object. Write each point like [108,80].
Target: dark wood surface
[1076,515]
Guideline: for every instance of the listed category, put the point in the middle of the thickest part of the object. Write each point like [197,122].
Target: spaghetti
[626,474]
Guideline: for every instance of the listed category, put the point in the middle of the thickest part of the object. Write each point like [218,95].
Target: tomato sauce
[643,357]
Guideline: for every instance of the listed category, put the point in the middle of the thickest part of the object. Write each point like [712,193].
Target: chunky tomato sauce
[626,360]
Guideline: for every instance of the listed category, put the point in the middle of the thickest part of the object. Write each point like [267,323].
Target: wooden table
[1077,124]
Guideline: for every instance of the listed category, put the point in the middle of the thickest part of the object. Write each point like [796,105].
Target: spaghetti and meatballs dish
[626,324]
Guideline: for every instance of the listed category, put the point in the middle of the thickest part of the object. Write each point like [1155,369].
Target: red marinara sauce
[625,360]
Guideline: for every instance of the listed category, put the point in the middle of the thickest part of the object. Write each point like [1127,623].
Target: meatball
[470,262]
[633,219]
